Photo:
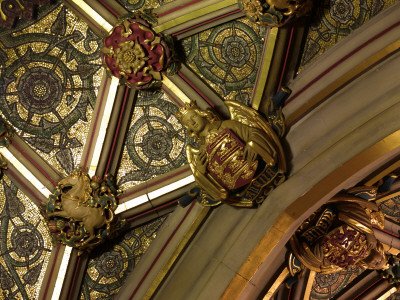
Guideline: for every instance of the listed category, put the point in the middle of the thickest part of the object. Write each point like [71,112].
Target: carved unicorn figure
[77,206]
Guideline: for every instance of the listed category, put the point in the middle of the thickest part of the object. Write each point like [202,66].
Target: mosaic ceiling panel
[132,5]
[326,286]
[25,244]
[334,20]
[50,71]
[156,140]
[227,57]
[391,208]
[107,270]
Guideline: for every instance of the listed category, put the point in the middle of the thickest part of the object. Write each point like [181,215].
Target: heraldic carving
[275,12]
[240,160]
[340,235]
[136,54]
[80,212]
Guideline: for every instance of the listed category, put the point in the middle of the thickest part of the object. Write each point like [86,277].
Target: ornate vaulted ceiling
[67,114]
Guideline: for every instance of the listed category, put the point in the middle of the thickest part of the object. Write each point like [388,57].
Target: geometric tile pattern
[334,20]
[156,140]
[25,244]
[227,57]
[109,266]
[50,71]
[326,286]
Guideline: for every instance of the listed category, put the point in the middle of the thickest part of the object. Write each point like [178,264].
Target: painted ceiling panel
[334,20]
[227,57]
[50,72]
[108,268]
[25,244]
[391,208]
[155,142]
[326,286]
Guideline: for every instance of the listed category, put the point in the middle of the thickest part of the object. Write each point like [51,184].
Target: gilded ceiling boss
[240,160]
[81,211]
[340,235]
[136,54]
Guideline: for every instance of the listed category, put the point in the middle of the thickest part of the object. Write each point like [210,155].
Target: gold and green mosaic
[336,19]
[156,140]
[227,57]
[50,73]
[108,268]
[326,286]
[25,244]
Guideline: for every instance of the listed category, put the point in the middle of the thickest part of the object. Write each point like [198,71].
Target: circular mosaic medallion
[155,145]
[110,264]
[228,56]
[155,142]
[341,11]
[235,51]
[335,19]
[134,4]
[27,243]
[326,286]
[24,244]
[48,86]
[40,90]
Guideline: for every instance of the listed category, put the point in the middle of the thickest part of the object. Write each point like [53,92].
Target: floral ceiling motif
[49,75]
[334,20]
[326,286]
[136,54]
[107,269]
[391,208]
[156,140]
[227,57]
[25,244]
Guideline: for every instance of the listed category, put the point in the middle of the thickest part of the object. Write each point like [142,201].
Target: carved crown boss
[239,161]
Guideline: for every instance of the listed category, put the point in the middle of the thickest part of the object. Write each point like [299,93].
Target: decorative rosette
[137,55]
[274,12]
